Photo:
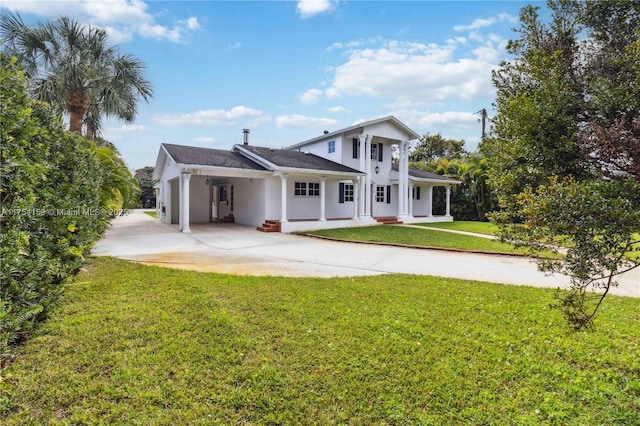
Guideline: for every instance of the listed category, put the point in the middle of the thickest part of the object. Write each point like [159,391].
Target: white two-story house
[339,179]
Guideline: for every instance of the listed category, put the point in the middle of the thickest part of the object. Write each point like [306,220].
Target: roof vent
[246,136]
[326,132]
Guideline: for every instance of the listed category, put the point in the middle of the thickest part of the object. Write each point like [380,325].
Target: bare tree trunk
[77,105]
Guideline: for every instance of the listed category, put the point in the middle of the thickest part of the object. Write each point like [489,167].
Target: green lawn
[487,228]
[153,214]
[144,345]
[418,237]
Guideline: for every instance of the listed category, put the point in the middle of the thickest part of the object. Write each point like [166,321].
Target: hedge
[51,198]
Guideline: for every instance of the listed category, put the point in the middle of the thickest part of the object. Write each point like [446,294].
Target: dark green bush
[51,200]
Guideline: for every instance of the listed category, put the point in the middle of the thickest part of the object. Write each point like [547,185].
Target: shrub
[52,211]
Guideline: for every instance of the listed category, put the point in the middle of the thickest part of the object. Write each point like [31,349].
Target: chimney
[246,136]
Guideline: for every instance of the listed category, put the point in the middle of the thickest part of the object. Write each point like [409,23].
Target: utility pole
[483,120]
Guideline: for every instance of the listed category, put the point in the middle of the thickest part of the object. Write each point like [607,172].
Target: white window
[374,151]
[314,189]
[300,189]
[332,146]
[379,194]
[348,192]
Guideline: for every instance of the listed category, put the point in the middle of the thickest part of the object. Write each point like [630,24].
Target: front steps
[269,226]
[391,220]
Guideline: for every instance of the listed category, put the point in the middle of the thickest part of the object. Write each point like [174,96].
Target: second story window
[332,146]
[374,151]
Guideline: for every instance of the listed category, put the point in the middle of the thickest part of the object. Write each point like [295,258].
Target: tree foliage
[566,146]
[433,147]
[145,180]
[71,66]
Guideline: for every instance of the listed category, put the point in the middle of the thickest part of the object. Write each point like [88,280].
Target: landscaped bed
[134,344]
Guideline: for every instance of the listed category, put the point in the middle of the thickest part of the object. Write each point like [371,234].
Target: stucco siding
[249,201]
[198,200]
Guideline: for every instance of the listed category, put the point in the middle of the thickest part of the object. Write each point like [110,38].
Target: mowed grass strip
[486,228]
[134,344]
[418,237]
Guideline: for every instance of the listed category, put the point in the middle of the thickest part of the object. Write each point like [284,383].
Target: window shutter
[388,194]
[341,193]
[380,152]
[355,147]
[417,192]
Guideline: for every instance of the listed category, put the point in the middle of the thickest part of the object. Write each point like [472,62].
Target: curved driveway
[236,249]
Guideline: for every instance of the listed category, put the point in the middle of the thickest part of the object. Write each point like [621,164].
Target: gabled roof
[296,159]
[422,174]
[210,157]
[389,118]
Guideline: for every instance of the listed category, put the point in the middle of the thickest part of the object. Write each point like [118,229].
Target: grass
[487,228]
[417,237]
[153,214]
[134,344]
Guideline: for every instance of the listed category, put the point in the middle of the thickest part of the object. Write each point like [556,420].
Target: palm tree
[70,66]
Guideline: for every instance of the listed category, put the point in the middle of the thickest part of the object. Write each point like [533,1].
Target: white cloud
[416,71]
[234,46]
[215,117]
[337,109]
[310,97]
[129,128]
[449,123]
[121,18]
[308,8]
[205,140]
[486,22]
[301,121]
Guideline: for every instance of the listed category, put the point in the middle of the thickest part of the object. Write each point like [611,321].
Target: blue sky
[290,69]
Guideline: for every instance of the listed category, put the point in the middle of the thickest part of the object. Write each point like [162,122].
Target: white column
[430,201]
[322,199]
[361,181]
[184,209]
[410,212]
[401,189]
[407,193]
[448,210]
[283,198]
[367,186]
[356,184]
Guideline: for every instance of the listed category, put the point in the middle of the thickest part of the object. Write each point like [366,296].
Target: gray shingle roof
[210,157]
[424,174]
[297,159]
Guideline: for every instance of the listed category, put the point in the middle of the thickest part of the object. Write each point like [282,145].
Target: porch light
[377,169]
[207,181]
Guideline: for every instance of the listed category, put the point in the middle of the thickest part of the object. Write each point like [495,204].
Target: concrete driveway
[236,249]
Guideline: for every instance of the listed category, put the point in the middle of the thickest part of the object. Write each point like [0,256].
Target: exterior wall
[321,148]
[301,207]
[198,200]
[335,209]
[173,206]
[383,209]
[249,201]
[347,155]
[386,130]
[420,207]
[272,203]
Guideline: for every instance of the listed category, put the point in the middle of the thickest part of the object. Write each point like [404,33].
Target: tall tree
[565,152]
[71,66]
[433,147]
